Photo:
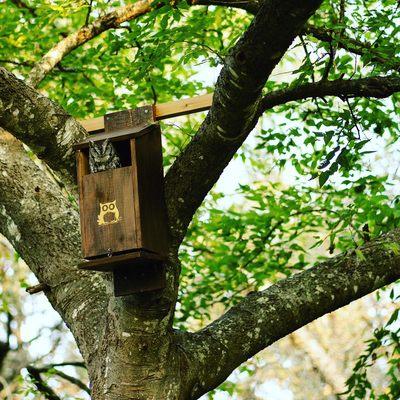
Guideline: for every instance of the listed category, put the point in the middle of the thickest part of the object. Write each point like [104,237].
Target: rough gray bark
[40,123]
[128,344]
[43,226]
[264,317]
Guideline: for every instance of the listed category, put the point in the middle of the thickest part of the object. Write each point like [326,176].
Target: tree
[75,58]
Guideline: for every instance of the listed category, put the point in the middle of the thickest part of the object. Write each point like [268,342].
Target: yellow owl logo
[109,213]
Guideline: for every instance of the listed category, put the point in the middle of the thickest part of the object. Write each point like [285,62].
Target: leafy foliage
[383,346]
[321,175]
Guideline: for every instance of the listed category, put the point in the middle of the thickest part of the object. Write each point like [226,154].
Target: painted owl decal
[109,213]
[103,156]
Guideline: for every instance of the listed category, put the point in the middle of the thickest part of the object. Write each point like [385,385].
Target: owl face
[100,150]
[108,207]
[102,156]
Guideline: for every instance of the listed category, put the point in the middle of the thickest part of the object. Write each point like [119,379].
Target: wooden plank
[107,219]
[183,107]
[82,161]
[124,121]
[124,261]
[162,111]
[149,184]
[93,124]
[149,276]
[114,136]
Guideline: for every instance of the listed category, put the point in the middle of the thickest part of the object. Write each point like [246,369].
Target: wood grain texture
[183,107]
[114,136]
[102,188]
[161,111]
[125,121]
[147,276]
[146,151]
[123,261]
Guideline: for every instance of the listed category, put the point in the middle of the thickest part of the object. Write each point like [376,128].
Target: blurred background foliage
[316,178]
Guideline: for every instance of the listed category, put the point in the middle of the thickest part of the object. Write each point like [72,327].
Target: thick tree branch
[264,317]
[43,226]
[378,87]
[40,123]
[234,111]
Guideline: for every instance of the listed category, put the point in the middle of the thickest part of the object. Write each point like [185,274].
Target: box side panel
[107,212]
[82,170]
[138,226]
[150,181]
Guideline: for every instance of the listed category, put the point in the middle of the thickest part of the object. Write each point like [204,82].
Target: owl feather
[103,156]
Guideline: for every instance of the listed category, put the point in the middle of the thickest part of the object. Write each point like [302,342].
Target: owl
[102,156]
[111,211]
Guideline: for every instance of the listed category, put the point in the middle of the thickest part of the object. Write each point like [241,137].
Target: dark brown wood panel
[82,170]
[142,278]
[115,136]
[124,121]
[122,261]
[107,212]
[147,153]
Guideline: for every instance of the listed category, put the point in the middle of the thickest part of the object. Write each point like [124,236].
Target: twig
[351,45]
[333,49]
[73,380]
[38,288]
[79,364]
[355,120]
[63,375]
[88,13]
[303,43]
[329,65]
[14,62]
[41,385]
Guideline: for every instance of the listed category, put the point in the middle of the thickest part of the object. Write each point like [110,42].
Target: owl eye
[111,207]
[104,207]
[94,147]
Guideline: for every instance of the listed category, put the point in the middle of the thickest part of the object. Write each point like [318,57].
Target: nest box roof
[116,136]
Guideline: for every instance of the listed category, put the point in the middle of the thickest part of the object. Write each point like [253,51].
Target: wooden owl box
[122,210]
